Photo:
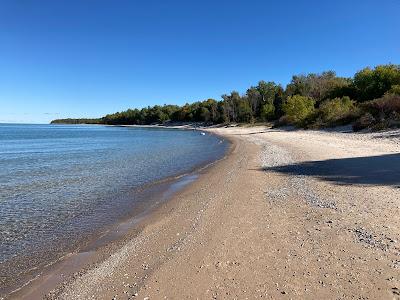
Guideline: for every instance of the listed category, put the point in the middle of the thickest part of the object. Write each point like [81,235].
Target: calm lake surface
[59,184]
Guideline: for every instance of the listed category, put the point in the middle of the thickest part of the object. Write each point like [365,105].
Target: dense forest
[370,99]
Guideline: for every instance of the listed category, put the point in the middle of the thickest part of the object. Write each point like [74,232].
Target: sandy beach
[287,214]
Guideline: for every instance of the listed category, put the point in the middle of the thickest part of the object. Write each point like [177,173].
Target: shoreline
[98,248]
[189,126]
[285,214]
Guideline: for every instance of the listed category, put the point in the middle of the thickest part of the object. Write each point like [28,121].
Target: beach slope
[288,214]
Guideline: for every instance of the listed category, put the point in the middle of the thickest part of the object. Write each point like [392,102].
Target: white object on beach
[202,133]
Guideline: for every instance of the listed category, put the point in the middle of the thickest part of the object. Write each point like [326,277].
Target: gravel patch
[378,241]
[369,239]
[297,185]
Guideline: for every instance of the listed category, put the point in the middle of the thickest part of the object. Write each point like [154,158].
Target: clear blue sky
[86,58]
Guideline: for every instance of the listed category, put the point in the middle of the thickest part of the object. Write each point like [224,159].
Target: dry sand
[288,214]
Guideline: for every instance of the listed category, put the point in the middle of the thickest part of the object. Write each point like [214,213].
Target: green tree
[255,100]
[267,112]
[244,111]
[317,86]
[374,83]
[271,100]
[297,108]
[337,111]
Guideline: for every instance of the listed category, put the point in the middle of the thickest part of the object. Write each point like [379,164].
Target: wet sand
[98,247]
[288,214]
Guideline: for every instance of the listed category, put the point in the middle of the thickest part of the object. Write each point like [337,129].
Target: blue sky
[88,58]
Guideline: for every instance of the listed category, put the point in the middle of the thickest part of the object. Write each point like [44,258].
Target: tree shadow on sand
[383,170]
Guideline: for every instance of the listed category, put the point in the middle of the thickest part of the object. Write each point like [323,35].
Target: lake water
[60,184]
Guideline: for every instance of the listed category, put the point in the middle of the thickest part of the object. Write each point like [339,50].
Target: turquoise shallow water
[60,184]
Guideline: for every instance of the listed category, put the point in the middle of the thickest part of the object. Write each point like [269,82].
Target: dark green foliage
[317,86]
[382,107]
[380,113]
[267,112]
[77,121]
[272,99]
[313,100]
[395,89]
[374,83]
[298,108]
[244,112]
[148,115]
[255,100]
[265,100]
[338,111]
[365,121]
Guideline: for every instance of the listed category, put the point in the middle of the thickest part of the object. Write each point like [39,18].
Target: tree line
[371,98]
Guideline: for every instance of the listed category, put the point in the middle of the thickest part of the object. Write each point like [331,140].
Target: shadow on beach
[383,170]
[394,135]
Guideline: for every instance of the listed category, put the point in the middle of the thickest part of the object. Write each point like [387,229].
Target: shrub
[282,121]
[381,108]
[380,113]
[365,121]
[298,108]
[395,89]
[267,112]
[335,112]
